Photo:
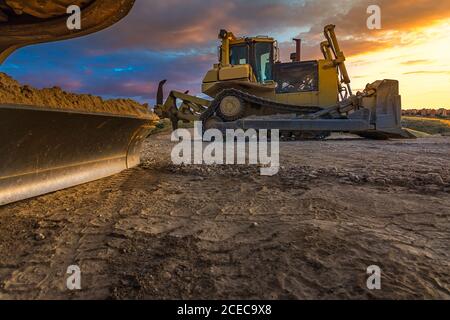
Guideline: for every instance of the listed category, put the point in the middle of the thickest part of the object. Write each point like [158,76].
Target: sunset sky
[177,40]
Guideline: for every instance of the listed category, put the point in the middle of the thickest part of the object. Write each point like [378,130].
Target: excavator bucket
[44,150]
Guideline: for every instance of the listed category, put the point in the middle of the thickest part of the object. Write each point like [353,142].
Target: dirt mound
[12,92]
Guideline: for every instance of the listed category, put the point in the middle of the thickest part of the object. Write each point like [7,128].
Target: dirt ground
[193,232]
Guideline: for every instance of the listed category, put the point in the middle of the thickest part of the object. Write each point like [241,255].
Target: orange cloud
[414,62]
[402,21]
[428,72]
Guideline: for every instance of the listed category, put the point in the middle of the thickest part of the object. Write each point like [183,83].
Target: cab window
[263,61]
[239,54]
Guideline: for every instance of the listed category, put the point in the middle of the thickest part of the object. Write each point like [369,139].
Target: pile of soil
[13,92]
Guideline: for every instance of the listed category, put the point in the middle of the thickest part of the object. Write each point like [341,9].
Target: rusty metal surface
[43,9]
[44,23]
[43,150]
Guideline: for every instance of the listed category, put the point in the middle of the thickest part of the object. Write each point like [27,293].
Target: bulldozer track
[256,101]
[268,104]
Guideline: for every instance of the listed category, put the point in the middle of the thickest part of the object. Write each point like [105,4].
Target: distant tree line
[440,113]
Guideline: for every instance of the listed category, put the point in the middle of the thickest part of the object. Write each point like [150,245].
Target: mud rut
[161,231]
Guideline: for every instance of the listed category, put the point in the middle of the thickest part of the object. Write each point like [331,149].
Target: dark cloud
[181,24]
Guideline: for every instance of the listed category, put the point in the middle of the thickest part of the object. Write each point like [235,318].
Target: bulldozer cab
[258,53]
[258,56]
[251,64]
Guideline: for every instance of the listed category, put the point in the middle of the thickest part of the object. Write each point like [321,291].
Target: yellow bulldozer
[44,149]
[251,89]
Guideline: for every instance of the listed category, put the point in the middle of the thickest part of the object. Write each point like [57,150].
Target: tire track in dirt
[161,231]
[76,231]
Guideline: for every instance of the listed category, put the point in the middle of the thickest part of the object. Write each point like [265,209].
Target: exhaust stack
[298,50]
[297,55]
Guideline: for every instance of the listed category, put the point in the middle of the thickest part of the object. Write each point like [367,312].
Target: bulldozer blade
[45,150]
[386,112]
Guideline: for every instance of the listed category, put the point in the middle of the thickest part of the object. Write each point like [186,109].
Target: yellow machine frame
[332,107]
[243,76]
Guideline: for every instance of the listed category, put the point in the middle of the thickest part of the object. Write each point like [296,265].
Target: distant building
[443,112]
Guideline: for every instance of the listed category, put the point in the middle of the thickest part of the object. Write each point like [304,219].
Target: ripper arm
[190,109]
